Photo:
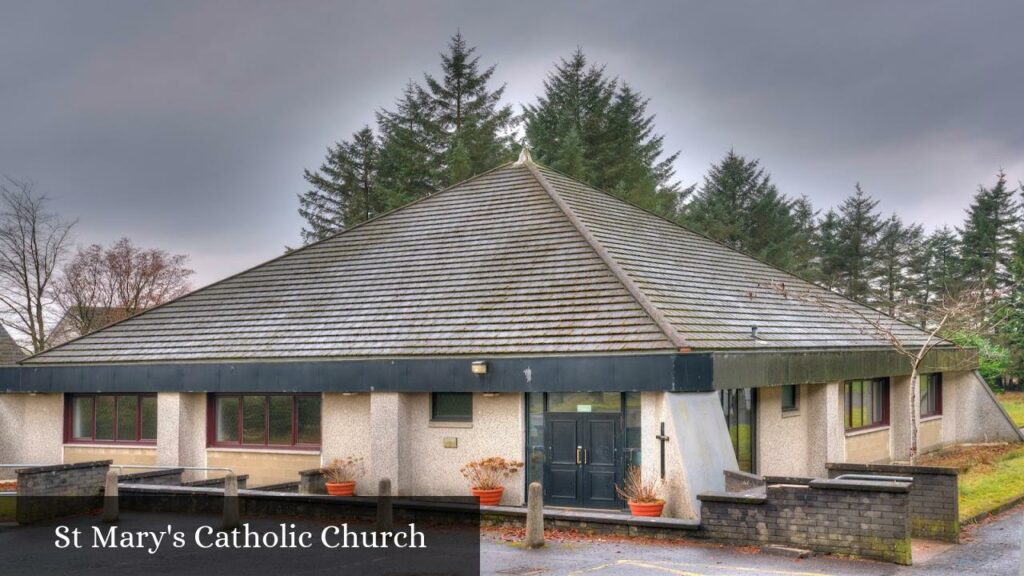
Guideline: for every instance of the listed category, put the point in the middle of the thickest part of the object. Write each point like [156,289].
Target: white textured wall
[430,469]
[978,415]
[782,437]
[181,431]
[345,429]
[42,430]
[825,423]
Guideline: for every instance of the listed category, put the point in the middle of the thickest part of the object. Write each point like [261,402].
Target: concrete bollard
[534,516]
[110,497]
[232,518]
[385,520]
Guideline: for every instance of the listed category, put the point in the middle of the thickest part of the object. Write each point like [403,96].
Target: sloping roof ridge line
[641,298]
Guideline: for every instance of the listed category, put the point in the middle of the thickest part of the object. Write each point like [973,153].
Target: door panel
[601,471]
[562,475]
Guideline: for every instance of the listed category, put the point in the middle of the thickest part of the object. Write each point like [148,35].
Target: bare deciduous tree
[969,307]
[99,286]
[33,243]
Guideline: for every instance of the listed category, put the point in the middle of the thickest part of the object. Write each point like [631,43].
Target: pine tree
[805,218]
[344,190]
[597,130]
[935,270]
[471,129]
[828,248]
[988,235]
[857,236]
[1013,323]
[896,248]
[407,169]
[739,206]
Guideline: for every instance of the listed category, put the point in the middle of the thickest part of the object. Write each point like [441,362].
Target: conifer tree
[805,218]
[988,235]
[1013,324]
[857,251]
[897,246]
[739,205]
[471,129]
[596,129]
[407,168]
[344,190]
[935,269]
[827,246]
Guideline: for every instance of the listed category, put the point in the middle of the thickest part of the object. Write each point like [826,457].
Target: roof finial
[524,156]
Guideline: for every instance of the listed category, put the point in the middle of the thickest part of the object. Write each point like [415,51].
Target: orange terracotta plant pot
[646,508]
[341,488]
[489,497]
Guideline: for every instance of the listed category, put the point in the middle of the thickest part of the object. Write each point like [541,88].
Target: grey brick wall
[934,496]
[864,519]
[312,482]
[48,492]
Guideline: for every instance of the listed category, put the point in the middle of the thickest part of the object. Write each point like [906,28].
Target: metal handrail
[121,467]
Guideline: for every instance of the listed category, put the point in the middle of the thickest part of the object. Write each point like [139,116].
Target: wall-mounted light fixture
[479,367]
[350,393]
[490,394]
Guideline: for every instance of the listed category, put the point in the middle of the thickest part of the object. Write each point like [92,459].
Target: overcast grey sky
[186,125]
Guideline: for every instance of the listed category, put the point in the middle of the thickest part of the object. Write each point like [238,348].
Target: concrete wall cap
[860,485]
[61,467]
[732,497]
[900,469]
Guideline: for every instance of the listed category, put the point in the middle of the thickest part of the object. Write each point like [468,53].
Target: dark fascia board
[688,372]
[653,372]
[753,369]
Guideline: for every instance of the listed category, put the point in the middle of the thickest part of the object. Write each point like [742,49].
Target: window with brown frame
[110,418]
[867,403]
[931,394]
[264,420]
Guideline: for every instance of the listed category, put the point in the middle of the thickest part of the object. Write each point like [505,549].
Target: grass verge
[990,476]
[1013,402]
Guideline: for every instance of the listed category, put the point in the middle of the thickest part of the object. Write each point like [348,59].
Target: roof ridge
[641,298]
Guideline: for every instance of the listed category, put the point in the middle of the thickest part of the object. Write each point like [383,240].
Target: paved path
[993,548]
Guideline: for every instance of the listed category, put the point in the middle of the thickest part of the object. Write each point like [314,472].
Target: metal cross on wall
[662,438]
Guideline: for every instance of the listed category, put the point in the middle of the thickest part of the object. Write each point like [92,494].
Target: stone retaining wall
[934,496]
[48,492]
[865,519]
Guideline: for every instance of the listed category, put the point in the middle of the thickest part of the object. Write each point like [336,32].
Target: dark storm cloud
[187,125]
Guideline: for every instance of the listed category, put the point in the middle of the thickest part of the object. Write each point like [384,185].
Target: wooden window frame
[211,422]
[433,409]
[796,399]
[69,419]
[934,378]
[882,383]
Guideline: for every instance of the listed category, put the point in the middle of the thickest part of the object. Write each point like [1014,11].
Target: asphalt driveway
[992,548]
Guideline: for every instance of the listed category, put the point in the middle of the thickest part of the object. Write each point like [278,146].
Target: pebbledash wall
[393,433]
[799,443]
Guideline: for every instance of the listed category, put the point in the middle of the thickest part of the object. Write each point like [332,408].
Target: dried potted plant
[487,476]
[340,475]
[641,494]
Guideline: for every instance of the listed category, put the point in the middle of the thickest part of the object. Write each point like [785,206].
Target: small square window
[790,398]
[451,406]
[931,395]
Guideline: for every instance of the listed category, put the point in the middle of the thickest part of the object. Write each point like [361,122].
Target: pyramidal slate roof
[520,260]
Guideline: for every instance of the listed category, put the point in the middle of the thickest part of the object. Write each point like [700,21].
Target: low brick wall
[169,477]
[48,492]
[864,519]
[934,496]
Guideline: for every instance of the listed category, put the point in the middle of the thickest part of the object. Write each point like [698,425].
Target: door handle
[578,450]
[585,451]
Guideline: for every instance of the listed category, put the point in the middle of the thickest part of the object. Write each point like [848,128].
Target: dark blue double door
[584,459]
